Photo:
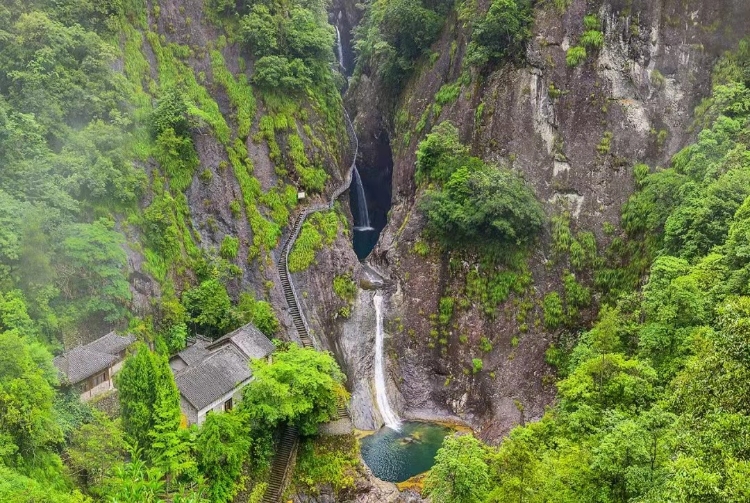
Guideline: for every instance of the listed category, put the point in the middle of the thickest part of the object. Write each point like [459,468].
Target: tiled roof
[111,343]
[214,377]
[196,352]
[251,341]
[216,368]
[83,362]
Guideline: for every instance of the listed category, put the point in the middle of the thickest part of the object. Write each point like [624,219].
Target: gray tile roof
[216,368]
[111,343]
[82,362]
[251,341]
[196,352]
[216,376]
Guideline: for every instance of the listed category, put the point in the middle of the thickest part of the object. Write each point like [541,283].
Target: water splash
[363,223]
[340,49]
[389,417]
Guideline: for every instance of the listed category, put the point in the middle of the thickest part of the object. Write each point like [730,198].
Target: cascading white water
[389,417]
[340,48]
[364,215]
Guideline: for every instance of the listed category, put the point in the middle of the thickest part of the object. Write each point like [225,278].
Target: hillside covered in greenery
[653,400]
[105,113]
[153,155]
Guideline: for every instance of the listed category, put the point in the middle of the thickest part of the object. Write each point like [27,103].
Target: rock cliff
[574,133]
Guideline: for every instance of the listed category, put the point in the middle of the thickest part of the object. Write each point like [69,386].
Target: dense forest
[653,400]
[96,151]
[105,111]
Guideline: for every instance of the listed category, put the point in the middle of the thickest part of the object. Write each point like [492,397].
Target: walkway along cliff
[283,462]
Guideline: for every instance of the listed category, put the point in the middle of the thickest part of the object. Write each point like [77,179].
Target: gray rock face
[575,135]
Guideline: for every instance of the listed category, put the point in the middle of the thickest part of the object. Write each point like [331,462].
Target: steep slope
[257,144]
[575,133]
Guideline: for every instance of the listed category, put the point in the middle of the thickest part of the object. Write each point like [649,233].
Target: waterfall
[340,49]
[389,417]
[363,223]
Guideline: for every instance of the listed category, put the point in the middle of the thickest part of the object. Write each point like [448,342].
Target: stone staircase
[283,461]
[282,464]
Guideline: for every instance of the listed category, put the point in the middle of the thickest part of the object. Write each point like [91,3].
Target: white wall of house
[97,390]
[217,406]
[116,367]
[103,387]
[189,412]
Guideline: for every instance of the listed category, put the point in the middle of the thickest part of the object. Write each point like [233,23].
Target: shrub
[476,365]
[575,56]
[640,172]
[445,310]
[320,229]
[448,93]
[328,460]
[553,310]
[421,248]
[502,33]
[170,114]
[303,252]
[593,39]
[258,312]
[312,179]
[591,22]
[345,287]
[485,344]
[278,73]
[230,247]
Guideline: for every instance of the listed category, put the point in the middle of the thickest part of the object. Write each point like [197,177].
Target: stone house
[211,374]
[90,368]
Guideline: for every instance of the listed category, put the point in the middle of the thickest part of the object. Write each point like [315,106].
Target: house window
[228,405]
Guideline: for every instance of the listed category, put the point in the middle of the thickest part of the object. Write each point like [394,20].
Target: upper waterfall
[340,49]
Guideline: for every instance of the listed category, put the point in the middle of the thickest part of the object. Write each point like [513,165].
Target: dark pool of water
[364,241]
[395,456]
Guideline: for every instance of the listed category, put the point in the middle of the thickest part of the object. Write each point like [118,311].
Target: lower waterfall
[389,417]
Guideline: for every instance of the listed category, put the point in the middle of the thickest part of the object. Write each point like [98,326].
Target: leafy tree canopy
[300,387]
[476,205]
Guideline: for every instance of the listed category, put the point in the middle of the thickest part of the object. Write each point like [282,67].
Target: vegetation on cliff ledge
[653,401]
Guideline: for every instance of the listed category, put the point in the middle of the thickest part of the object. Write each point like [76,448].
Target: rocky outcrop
[368,489]
[575,135]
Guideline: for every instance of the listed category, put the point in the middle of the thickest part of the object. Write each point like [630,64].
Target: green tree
[27,425]
[150,409]
[460,473]
[258,312]
[91,272]
[208,306]
[223,446]
[440,153]
[300,387]
[502,33]
[94,450]
[168,449]
[488,207]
